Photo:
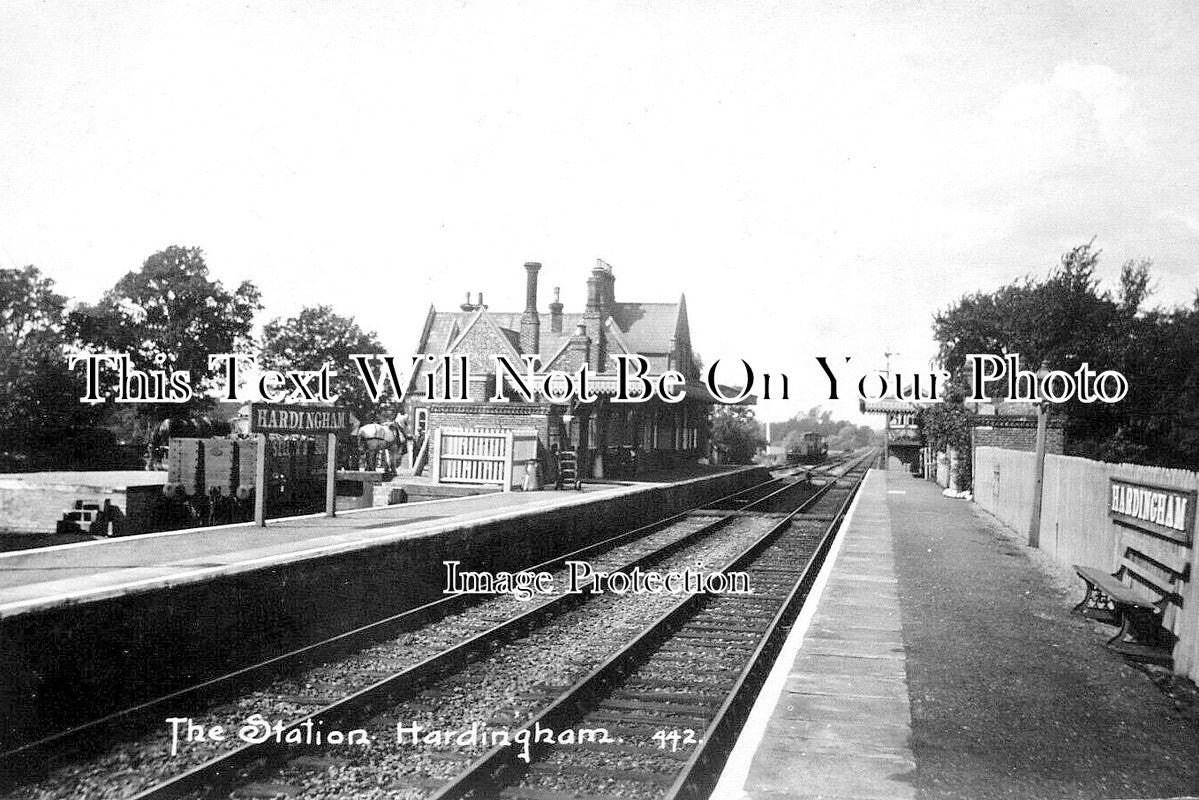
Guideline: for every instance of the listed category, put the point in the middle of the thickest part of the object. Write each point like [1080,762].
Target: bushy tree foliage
[841,434]
[319,336]
[1063,320]
[1066,319]
[171,315]
[736,435]
[946,426]
[39,397]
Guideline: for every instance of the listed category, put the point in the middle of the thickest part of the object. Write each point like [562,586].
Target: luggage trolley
[568,470]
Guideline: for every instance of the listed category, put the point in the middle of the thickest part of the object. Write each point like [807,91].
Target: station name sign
[1163,512]
[272,418]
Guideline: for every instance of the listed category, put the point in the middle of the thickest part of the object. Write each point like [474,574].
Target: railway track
[635,688]
[356,672]
[674,699]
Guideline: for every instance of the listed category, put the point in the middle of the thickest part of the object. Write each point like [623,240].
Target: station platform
[31,503]
[940,660]
[93,627]
[42,578]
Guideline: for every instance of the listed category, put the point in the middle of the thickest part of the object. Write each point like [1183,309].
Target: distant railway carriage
[811,449]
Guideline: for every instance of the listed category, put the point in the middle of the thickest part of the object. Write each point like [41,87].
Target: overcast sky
[818,177]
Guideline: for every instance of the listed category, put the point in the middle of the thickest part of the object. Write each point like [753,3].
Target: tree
[1160,424]
[1063,319]
[171,315]
[842,434]
[31,316]
[946,426]
[851,437]
[39,397]
[1066,319]
[318,336]
[736,435]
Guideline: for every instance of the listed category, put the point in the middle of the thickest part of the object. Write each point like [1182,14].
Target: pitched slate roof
[646,328]
[657,331]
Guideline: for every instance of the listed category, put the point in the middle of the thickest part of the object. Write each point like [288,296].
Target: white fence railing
[505,458]
[473,455]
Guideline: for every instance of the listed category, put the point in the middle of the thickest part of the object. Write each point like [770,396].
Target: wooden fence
[1075,525]
[1003,481]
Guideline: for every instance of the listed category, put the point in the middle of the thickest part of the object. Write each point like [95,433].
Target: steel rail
[499,765]
[234,766]
[33,753]
[698,776]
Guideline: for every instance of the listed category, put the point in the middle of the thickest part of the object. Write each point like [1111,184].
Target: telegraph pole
[887,416]
[1034,524]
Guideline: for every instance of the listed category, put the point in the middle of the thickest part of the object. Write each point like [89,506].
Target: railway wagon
[212,479]
[811,449]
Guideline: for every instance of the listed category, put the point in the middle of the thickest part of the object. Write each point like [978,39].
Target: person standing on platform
[403,438]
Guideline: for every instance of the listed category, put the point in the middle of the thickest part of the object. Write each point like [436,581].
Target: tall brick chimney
[530,321]
[593,317]
[556,312]
[607,286]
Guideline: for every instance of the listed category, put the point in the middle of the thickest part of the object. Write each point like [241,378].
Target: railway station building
[612,439]
[1004,424]
[900,429]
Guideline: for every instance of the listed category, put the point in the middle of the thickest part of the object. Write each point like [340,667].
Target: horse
[374,439]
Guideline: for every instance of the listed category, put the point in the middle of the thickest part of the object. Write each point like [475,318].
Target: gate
[473,455]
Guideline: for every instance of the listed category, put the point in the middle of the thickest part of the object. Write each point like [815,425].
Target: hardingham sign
[289,419]
[1157,510]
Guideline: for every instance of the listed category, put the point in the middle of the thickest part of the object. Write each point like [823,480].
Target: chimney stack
[607,286]
[556,311]
[531,270]
[530,321]
[468,305]
[594,317]
[593,294]
[580,346]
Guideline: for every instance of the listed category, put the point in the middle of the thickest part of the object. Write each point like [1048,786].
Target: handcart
[568,470]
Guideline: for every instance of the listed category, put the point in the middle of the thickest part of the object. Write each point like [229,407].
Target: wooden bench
[1136,598]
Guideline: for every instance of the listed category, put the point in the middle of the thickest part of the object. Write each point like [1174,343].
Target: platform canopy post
[331,478]
[260,483]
